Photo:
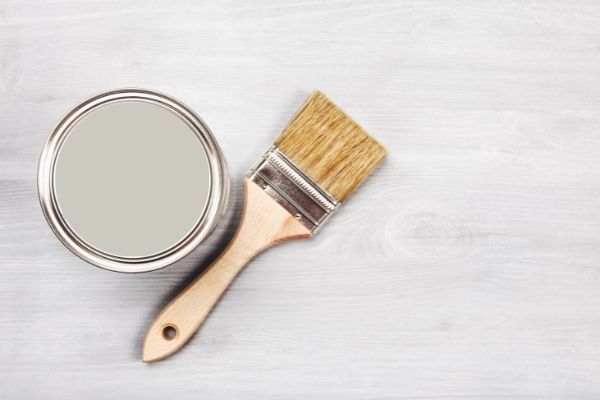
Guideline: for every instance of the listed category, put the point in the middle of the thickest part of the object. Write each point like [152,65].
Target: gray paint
[132,178]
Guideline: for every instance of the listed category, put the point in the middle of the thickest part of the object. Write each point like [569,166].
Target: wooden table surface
[467,267]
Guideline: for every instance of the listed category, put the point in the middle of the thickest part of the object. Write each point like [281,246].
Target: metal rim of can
[214,210]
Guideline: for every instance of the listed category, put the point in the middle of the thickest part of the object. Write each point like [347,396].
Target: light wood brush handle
[264,223]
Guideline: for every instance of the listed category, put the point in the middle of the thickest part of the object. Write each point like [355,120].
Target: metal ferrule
[292,189]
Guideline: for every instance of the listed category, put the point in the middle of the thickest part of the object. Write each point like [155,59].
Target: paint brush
[314,165]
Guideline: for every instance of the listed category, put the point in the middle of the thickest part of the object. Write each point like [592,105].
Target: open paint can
[132,180]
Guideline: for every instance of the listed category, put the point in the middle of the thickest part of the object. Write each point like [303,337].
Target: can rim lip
[213,211]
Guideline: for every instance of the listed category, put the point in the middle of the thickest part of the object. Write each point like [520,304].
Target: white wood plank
[467,267]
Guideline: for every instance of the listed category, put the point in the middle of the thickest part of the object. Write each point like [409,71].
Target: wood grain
[467,267]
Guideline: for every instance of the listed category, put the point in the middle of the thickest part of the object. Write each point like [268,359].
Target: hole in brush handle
[169,332]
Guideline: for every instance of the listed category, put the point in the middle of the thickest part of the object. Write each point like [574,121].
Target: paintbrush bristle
[329,147]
